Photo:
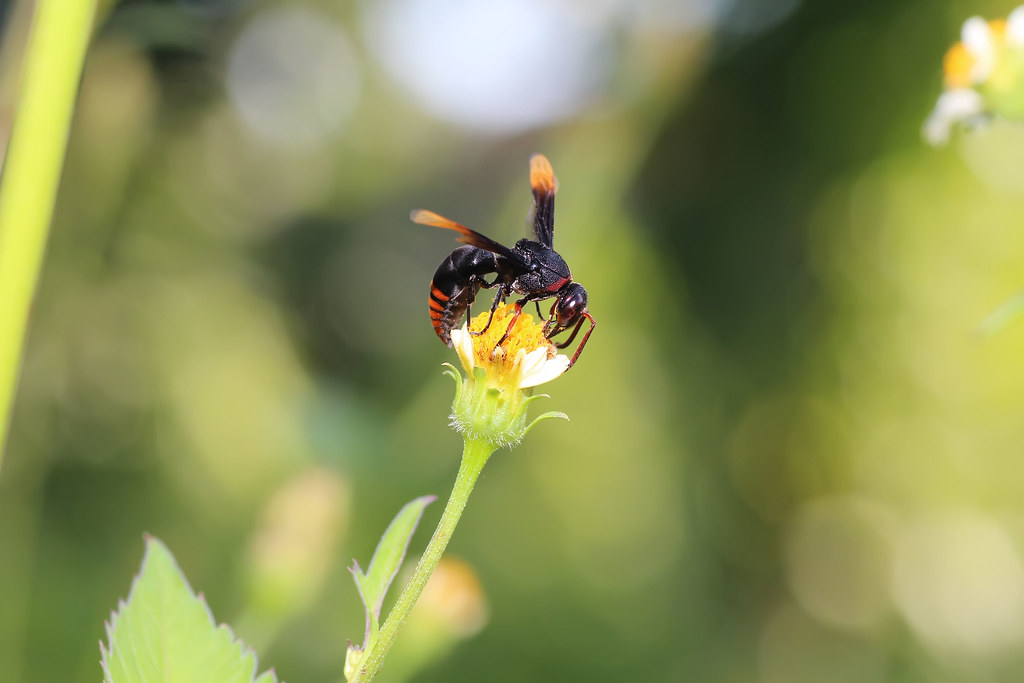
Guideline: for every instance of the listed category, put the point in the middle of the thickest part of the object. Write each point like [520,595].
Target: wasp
[531,268]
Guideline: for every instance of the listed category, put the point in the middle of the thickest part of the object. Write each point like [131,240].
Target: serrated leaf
[164,632]
[373,584]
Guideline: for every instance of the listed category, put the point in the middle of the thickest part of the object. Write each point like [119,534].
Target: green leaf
[372,615]
[373,584]
[164,632]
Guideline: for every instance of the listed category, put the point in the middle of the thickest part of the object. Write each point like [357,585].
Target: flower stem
[53,66]
[474,455]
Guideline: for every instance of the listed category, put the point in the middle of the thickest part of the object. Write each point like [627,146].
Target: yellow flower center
[998,28]
[526,334]
[956,66]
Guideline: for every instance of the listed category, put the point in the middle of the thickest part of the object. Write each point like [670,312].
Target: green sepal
[530,399]
[453,372]
[488,413]
[550,415]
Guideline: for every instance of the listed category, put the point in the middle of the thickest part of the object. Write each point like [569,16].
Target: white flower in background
[954,106]
[983,76]
[1015,27]
[978,50]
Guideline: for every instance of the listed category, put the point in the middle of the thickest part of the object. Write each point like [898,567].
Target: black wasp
[531,268]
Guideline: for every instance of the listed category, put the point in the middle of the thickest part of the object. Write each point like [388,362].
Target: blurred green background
[792,458]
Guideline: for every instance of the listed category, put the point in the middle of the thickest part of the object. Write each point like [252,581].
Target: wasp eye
[571,304]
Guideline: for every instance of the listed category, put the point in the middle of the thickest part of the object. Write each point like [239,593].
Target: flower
[490,404]
[453,604]
[954,106]
[983,76]
[525,359]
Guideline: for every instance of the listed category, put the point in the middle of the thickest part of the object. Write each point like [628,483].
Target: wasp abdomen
[454,286]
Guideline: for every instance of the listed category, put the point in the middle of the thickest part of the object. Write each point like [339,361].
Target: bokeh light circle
[292,76]
[500,66]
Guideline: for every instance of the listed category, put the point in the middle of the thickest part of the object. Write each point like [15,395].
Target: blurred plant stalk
[58,38]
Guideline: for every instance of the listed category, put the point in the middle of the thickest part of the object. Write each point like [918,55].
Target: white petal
[952,107]
[1015,28]
[976,36]
[532,361]
[462,340]
[547,371]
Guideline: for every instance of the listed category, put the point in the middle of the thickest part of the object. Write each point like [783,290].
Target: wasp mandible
[531,268]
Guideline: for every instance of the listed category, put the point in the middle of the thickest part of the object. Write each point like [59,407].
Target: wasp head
[569,307]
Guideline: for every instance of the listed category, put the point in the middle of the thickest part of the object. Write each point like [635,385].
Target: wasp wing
[467,236]
[544,186]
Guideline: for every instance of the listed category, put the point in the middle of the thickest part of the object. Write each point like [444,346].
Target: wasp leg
[476,282]
[519,309]
[511,324]
[498,298]
[579,349]
[540,316]
[575,330]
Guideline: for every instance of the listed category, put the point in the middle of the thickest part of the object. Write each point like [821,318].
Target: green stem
[474,455]
[53,66]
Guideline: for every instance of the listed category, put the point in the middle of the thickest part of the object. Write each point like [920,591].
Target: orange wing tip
[424,217]
[542,176]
